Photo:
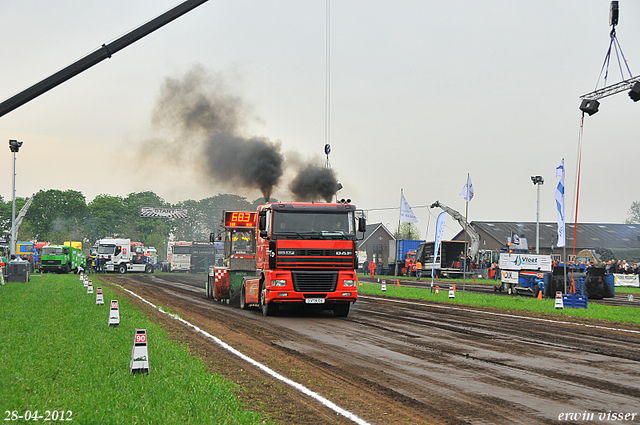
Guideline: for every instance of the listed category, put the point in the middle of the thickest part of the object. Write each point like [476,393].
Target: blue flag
[560,203]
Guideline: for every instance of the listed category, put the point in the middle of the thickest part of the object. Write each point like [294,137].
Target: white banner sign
[525,262]
[163,212]
[509,276]
[626,280]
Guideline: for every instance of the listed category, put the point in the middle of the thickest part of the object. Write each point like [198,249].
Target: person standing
[418,269]
[372,267]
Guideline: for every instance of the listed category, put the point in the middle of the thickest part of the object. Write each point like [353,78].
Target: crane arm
[102,53]
[22,213]
[474,245]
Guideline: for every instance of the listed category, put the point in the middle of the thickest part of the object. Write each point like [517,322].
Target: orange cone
[397,282]
[539,295]
[454,288]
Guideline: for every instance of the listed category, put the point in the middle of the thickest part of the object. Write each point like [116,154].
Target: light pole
[14,145]
[538,180]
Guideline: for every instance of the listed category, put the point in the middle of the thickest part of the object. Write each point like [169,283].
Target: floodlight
[634,93]
[589,106]
[14,145]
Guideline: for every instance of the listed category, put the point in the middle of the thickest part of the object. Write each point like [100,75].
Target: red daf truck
[305,254]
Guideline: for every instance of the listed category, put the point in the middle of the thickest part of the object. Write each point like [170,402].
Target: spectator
[496,271]
[418,269]
[372,267]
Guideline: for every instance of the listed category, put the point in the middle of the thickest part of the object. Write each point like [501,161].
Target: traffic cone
[454,288]
[397,282]
[539,295]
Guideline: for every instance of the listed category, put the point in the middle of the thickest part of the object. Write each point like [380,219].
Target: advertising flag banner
[560,204]
[406,213]
[439,234]
[467,190]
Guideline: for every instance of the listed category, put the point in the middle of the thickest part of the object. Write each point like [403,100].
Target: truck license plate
[314,300]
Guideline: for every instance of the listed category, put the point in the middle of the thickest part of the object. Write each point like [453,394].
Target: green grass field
[57,353]
[621,314]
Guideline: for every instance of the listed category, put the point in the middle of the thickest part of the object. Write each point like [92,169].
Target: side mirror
[362,224]
[263,234]
[212,237]
[262,223]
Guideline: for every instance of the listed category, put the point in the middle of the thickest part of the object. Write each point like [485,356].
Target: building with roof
[376,243]
[606,240]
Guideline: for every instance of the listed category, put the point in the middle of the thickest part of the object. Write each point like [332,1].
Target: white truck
[118,257]
[179,256]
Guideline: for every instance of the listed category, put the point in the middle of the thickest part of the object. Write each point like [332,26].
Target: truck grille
[51,262]
[314,281]
[315,259]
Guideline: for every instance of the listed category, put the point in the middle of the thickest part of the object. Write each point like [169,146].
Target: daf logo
[272,254]
[286,252]
[343,252]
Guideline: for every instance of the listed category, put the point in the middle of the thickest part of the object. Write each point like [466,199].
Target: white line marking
[499,314]
[248,359]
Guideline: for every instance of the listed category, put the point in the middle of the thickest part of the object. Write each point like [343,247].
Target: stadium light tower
[538,180]
[14,145]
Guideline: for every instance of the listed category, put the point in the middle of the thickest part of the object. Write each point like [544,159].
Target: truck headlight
[349,282]
[279,282]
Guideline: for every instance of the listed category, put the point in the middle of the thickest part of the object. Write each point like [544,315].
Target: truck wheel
[122,268]
[243,297]
[341,310]
[268,309]
[148,269]
[536,289]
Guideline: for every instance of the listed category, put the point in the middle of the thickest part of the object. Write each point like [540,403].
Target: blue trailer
[403,247]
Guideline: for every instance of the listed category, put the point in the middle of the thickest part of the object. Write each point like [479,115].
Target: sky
[422,93]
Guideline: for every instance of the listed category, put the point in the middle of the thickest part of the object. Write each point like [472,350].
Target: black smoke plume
[201,108]
[313,182]
[208,120]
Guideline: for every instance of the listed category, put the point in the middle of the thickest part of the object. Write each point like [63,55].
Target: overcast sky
[422,93]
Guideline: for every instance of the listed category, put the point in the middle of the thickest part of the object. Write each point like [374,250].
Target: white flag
[406,213]
[560,203]
[467,190]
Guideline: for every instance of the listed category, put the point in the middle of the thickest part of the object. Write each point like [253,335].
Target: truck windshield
[243,241]
[52,251]
[181,249]
[330,225]
[106,249]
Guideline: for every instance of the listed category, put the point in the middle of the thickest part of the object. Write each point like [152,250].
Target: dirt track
[393,362]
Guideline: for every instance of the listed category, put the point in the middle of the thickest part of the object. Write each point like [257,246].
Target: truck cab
[306,253]
[118,257]
[62,258]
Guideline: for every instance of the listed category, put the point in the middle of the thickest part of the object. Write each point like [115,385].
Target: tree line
[56,216]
